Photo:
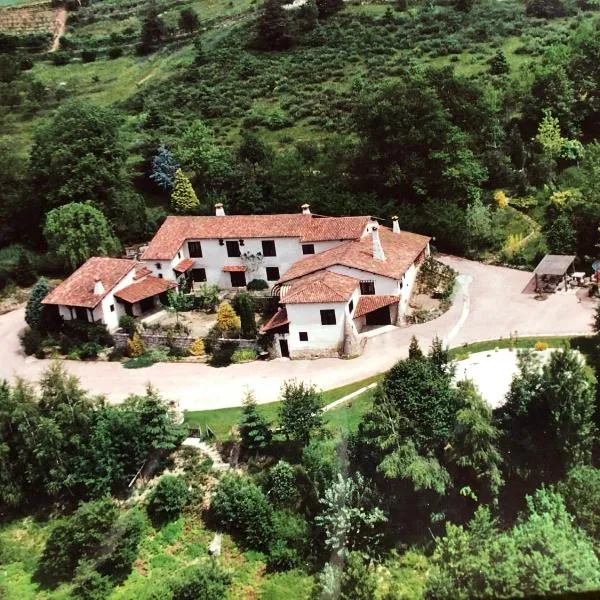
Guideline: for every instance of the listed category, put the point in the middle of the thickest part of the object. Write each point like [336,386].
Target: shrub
[127,324]
[135,346]
[581,491]
[61,58]
[89,350]
[222,354]
[197,348]
[168,498]
[243,355]
[244,307]
[539,346]
[207,582]
[88,56]
[240,507]
[24,273]
[31,341]
[282,484]
[148,359]
[227,320]
[115,52]
[206,297]
[290,532]
[35,308]
[257,285]
[88,584]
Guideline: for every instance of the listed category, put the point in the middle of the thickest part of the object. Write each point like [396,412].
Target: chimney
[98,287]
[306,209]
[377,247]
[219,210]
[395,224]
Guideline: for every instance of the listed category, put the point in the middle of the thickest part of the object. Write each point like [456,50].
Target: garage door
[381,316]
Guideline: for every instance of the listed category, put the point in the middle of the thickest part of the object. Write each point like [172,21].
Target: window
[179,255]
[195,249]
[158,266]
[160,276]
[272,273]
[268,248]
[238,279]
[303,336]
[308,248]
[112,308]
[233,248]
[351,306]
[328,317]
[367,288]
[199,275]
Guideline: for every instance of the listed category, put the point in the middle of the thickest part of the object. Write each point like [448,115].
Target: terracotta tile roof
[323,286]
[176,230]
[141,272]
[234,269]
[401,250]
[279,319]
[367,304]
[78,288]
[184,265]
[150,286]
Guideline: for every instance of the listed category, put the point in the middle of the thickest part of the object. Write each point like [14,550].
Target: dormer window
[158,266]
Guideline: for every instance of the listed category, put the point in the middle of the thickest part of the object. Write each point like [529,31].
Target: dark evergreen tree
[188,20]
[34,308]
[243,306]
[414,350]
[24,274]
[274,30]
[329,7]
[153,30]
[164,167]
[498,64]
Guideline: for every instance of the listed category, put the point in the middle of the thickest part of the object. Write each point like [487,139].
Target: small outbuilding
[551,270]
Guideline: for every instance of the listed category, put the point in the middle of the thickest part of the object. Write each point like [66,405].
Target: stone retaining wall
[154,340]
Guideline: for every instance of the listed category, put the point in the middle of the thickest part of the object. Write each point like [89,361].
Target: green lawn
[344,417]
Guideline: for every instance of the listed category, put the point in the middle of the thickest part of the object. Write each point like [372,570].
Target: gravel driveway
[489,304]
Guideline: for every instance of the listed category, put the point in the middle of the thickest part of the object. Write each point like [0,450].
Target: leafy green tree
[254,428]
[240,507]
[88,584]
[548,417]
[34,307]
[168,498]
[479,224]
[153,29]
[208,582]
[581,491]
[300,411]
[561,236]
[542,554]
[164,168]
[274,27]
[350,516]
[243,306]
[188,20]
[183,198]
[290,542]
[75,232]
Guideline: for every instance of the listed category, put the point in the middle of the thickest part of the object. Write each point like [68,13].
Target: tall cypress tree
[184,197]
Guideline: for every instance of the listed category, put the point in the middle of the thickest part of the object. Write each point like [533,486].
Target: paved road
[489,304]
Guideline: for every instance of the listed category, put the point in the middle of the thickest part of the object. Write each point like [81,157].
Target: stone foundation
[315,353]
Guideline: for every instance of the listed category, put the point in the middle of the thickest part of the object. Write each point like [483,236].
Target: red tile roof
[309,228]
[184,265]
[323,286]
[279,319]
[401,250]
[78,288]
[150,286]
[367,304]
[234,269]
[141,272]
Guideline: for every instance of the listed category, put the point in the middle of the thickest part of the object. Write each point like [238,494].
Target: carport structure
[551,270]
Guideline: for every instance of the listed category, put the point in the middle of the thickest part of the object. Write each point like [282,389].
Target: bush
[222,354]
[581,491]
[290,535]
[240,507]
[148,359]
[127,324]
[89,584]
[257,285]
[89,350]
[540,346]
[88,56]
[197,348]
[206,582]
[243,355]
[135,346]
[168,498]
[206,297]
[61,58]
[31,341]
[282,484]
[115,52]
[227,320]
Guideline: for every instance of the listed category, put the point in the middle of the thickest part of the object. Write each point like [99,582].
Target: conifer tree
[274,27]
[243,307]
[24,274]
[414,350]
[35,308]
[164,167]
[254,428]
[184,197]
[227,320]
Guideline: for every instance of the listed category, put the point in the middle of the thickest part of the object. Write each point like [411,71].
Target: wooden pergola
[551,269]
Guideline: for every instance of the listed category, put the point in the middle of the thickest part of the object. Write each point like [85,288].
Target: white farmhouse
[103,289]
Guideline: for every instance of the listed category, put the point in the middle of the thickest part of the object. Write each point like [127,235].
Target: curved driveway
[489,305]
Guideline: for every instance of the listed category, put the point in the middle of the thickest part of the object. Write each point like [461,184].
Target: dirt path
[58,29]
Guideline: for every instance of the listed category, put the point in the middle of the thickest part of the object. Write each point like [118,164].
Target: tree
[168,498]
[548,417]
[581,491]
[479,224]
[240,507]
[34,309]
[350,516]
[329,7]
[188,20]
[254,428]
[274,28]
[414,350]
[164,168]
[561,236]
[244,308]
[183,198]
[135,346]
[24,274]
[282,484]
[227,320]
[542,554]
[75,232]
[153,29]
[300,412]
[498,63]
[208,582]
